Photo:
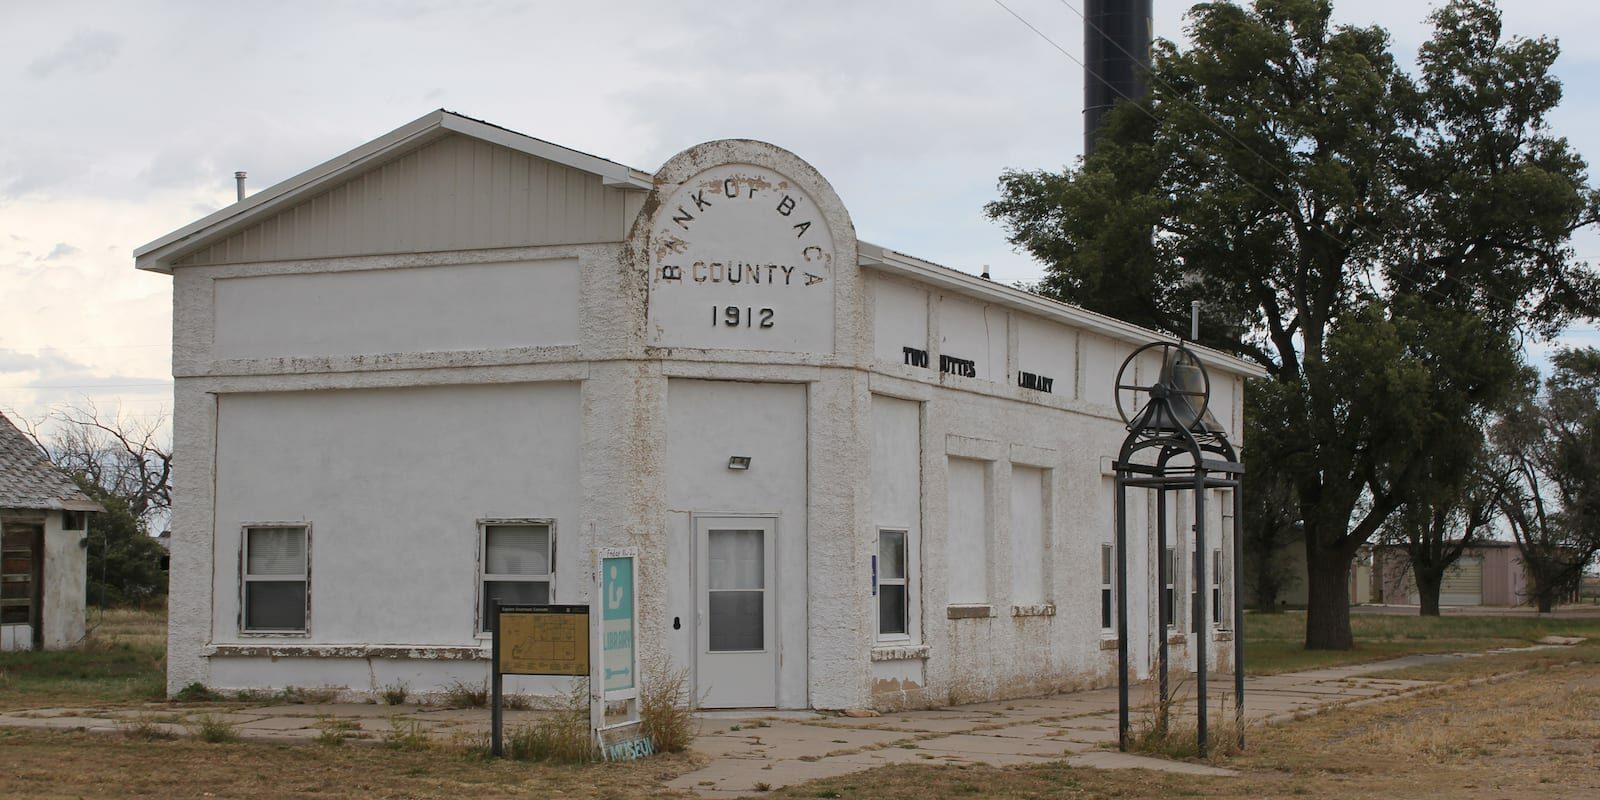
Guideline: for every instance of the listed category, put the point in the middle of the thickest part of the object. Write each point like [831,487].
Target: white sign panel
[741,259]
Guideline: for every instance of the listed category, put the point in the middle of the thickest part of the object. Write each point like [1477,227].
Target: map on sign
[544,640]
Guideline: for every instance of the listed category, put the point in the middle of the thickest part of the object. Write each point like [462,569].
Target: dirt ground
[1533,735]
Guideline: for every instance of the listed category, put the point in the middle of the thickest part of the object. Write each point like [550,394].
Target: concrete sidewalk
[752,751]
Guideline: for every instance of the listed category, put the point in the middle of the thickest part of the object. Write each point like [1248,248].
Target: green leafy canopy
[1378,241]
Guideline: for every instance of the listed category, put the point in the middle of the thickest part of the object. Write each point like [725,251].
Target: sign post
[615,662]
[534,640]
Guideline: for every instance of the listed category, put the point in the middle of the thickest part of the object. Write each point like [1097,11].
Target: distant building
[43,548]
[442,368]
[1488,573]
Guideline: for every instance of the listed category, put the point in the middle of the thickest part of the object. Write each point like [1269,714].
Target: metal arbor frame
[1169,425]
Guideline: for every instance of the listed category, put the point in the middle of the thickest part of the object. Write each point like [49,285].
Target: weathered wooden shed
[43,548]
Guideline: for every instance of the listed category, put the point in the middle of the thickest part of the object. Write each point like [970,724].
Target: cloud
[18,361]
[86,53]
[61,250]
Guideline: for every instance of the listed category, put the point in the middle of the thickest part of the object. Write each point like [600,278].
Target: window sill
[1223,635]
[983,611]
[423,652]
[900,652]
[1110,643]
[1177,638]
[1036,610]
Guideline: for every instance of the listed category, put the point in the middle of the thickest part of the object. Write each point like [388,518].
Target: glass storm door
[736,663]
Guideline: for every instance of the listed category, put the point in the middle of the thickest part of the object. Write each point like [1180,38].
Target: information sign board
[618,657]
[544,640]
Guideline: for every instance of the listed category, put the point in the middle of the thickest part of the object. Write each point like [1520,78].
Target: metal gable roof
[28,480]
[159,254]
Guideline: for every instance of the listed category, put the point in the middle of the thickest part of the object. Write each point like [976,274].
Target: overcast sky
[126,120]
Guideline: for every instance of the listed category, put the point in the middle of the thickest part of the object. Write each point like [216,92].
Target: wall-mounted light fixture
[738,462]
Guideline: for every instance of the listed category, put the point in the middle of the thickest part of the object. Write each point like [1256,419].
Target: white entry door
[736,663]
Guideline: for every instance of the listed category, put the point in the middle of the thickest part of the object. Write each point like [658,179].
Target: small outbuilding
[443,368]
[43,548]
[1488,573]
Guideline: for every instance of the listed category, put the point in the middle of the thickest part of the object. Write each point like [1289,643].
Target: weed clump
[561,734]
[464,695]
[333,730]
[314,697]
[146,728]
[396,693]
[1159,734]
[213,729]
[405,734]
[664,709]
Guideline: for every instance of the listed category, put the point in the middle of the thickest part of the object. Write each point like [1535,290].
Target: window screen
[516,567]
[276,562]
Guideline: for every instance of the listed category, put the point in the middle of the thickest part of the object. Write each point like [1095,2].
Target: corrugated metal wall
[1497,588]
[453,194]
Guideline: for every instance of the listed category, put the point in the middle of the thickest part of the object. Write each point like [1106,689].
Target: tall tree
[126,466]
[1549,450]
[1329,211]
[1270,527]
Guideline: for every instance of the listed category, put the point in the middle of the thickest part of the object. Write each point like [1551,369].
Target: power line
[88,386]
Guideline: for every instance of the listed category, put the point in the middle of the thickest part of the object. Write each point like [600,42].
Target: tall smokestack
[1116,49]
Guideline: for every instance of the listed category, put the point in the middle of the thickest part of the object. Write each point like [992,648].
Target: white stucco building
[451,362]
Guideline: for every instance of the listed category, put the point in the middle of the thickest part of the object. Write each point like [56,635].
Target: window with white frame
[894,595]
[1169,592]
[515,567]
[1216,586]
[275,577]
[1107,573]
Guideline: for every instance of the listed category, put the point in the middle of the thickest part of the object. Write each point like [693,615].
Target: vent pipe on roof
[1116,47]
[238,180]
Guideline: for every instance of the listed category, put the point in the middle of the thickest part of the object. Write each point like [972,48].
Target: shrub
[213,729]
[196,692]
[664,713]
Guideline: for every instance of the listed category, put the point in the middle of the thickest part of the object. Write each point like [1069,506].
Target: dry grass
[1165,730]
[1275,643]
[122,661]
[32,766]
[561,734]
[1534,736]
[1531,736]
[1499,663]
